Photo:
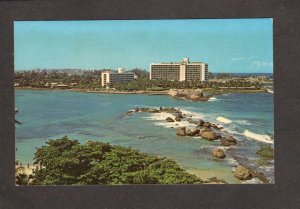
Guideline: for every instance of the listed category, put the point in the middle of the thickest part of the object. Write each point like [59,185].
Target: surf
[224,120]
[258,137]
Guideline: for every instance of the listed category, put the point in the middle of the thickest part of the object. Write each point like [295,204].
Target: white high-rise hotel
[182,71]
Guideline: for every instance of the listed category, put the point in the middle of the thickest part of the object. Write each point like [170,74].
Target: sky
[227,45]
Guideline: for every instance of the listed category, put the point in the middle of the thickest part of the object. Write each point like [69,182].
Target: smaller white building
[109,77]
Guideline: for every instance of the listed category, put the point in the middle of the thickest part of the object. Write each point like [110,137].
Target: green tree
[67,162]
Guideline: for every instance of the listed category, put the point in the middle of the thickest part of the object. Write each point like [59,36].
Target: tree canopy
[67,162]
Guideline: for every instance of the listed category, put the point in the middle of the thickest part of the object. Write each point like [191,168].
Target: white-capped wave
[243,122]
[232,162]
[224,120]
[212,99]
[258,137]
[253,181]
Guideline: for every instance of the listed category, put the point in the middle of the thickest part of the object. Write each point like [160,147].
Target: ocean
[51,114]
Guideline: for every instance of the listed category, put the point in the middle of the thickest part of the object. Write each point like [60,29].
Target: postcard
[114,102]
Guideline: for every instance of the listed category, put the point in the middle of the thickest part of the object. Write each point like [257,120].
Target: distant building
[109,77]
[180,71]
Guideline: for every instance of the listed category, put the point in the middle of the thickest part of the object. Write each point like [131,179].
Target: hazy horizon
[227,45]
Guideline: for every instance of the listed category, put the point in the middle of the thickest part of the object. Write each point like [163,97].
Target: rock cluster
[189,94]
[205,130]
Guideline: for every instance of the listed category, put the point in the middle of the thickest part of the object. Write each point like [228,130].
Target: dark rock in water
[219,153]
[137,109]
[196,131]
[169,110]
[181,131]
[210,135]
[177,118]
[207,124]
[153,110]
[130,112]
[178,114]
[200,122]
[160,108]
[242,173]
[168,119]
[144,109]
[228,141]
[189,132]
[201,130]
[193,132]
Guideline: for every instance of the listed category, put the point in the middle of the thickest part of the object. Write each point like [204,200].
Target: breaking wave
[258,137]
[224,120]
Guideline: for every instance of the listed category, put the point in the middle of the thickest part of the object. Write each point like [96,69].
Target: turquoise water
[93,116]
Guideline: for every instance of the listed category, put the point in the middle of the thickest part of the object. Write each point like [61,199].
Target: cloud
[260,64]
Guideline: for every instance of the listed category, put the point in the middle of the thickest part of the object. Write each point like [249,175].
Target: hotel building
[109,77]
[182,71]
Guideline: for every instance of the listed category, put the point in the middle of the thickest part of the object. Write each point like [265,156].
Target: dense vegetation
[80,79]
[39,78]
[146,84]
[67,162]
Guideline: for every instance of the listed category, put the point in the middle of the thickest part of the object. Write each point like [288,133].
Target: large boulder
[193,132]
[207,124]
[201,130]
[169,110]
[181,131]
[194,97]
[177,118]
[219,153]
[168,119]
[200,122]
[242,173]
[210,135]
[227,141]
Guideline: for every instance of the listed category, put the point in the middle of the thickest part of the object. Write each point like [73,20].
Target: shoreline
[209,91]
[226,173]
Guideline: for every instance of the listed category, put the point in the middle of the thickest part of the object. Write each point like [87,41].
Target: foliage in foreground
[67,162]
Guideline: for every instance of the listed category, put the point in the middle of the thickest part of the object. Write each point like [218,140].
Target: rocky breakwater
[188,94]
[187,126]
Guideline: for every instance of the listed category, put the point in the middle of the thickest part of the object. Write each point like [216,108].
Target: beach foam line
[212,99]
[224,120]
[243,122]
[258,137]
[160,119]
[253,181]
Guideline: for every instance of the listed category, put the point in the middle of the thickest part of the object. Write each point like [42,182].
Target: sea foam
[212,99]
[224,120]
[258,137]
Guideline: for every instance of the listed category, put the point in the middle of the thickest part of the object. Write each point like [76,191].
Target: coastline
[203,173]
[209,91]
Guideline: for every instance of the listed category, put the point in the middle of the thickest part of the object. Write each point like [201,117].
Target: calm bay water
[92,116]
